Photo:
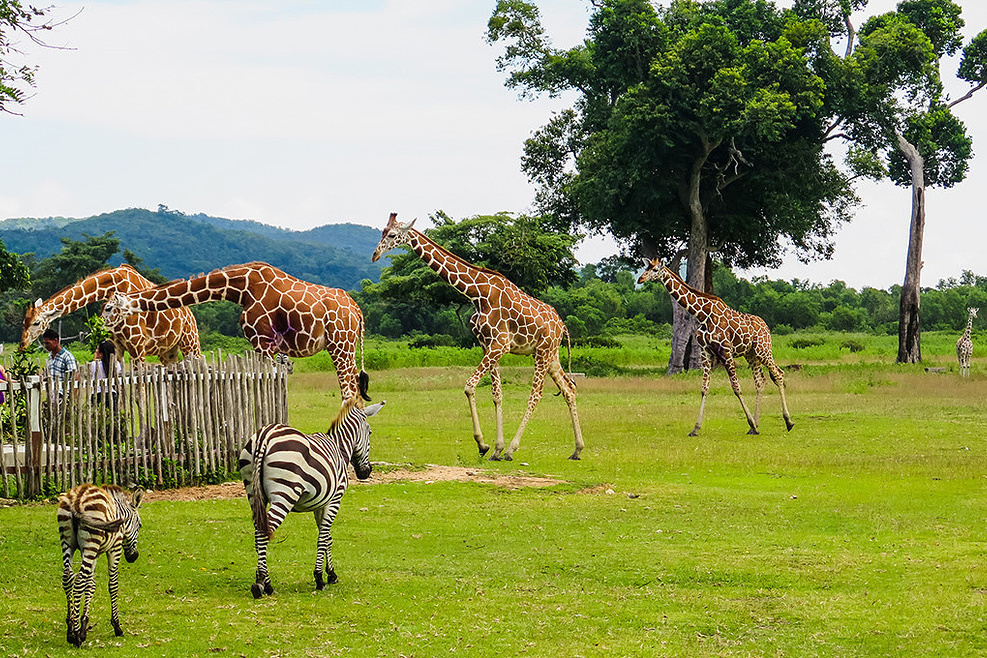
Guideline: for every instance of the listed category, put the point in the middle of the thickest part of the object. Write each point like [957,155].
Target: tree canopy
[701,125]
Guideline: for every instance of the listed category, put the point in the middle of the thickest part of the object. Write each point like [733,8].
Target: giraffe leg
[707,364]
[537,384]
[731,367]
[779,379]
[758,374]
[497,392]
[569,393]
[491,356]
[344,360]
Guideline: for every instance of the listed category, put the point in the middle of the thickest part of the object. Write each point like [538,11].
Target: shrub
[802,343]
[431,342]
[596,341]
[852,344]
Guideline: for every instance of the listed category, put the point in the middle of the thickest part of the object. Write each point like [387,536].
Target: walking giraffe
[507,320]
[724,333]
[281,314]
[964,346]
[161,334]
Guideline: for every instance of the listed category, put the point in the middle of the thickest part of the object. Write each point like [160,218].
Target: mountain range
[180,245]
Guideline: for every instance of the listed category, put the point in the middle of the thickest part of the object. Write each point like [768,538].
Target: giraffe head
[653,272]
[394,234]
[973,312]
[37,318]
[117,309]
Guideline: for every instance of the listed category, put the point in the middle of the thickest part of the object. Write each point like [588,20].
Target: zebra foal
[295,472]
[95,520]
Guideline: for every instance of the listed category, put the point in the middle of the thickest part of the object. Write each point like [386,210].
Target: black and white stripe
[95,520]
[294,472]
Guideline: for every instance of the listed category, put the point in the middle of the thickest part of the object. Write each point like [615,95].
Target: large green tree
[899,58]
[699,127]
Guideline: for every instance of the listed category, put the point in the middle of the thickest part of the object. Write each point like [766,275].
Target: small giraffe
[161,334]
[281,314]
[507,320]
[724,333]
[964,346]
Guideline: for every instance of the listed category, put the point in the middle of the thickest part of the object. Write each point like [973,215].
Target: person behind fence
[104,362]
[61,365]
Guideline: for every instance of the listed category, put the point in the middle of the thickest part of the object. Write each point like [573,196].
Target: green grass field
[859,533]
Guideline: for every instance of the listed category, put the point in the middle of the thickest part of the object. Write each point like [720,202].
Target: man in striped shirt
[61,364]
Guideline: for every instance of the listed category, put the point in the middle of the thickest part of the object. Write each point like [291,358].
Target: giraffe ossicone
[281,314]
[724,333]
[506,320]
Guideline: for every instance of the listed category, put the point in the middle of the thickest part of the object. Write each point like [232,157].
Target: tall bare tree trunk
[909,325]
[685,352]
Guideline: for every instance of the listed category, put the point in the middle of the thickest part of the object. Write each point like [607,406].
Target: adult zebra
[295,472]
[95,520]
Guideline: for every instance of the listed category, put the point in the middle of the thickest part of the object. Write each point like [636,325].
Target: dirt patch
[432,473]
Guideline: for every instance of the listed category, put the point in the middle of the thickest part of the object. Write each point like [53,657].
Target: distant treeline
[608,305]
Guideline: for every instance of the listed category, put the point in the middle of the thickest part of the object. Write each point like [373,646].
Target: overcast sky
[299,113]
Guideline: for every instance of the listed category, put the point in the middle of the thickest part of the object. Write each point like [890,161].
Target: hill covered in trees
[180,245]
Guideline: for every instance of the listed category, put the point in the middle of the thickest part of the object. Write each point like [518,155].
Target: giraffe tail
[363,379]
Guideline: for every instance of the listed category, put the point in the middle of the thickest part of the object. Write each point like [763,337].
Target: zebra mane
[345,411]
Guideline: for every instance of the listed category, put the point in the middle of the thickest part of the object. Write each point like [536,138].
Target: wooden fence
[152,425]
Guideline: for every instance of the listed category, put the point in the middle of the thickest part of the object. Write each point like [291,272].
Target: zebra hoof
[268,588]
[332,578]
[319,583]
[257,590]
[72,638]
[116,629]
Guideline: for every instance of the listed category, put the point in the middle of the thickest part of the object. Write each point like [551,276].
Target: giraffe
[724,333]
[146,334]
[964,346]
[507,320]
[281,314]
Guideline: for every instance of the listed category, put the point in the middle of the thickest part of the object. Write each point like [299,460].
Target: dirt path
[432,473]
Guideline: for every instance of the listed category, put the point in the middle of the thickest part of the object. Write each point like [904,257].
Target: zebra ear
[374,408]
[138,494]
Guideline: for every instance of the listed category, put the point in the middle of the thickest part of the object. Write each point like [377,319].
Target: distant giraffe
[161,334]
[964,346]
[507,320]
[281,314]
[724,333]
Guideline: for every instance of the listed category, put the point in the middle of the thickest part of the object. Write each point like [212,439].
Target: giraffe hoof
[753,431]
[789,424]
[574,457]
[484,451]
[693,433]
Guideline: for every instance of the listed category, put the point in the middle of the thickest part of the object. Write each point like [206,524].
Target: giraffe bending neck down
[507,320]
[161,334]
[964,346]
[724,334]
[281,314]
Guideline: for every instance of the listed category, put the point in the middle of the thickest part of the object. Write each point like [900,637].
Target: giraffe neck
[686,296]
[474,282]
[969,326]
[227,284]
[96,288]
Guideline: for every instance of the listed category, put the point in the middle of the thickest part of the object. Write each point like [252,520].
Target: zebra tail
[257,507]
[90,521]
[363,382]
